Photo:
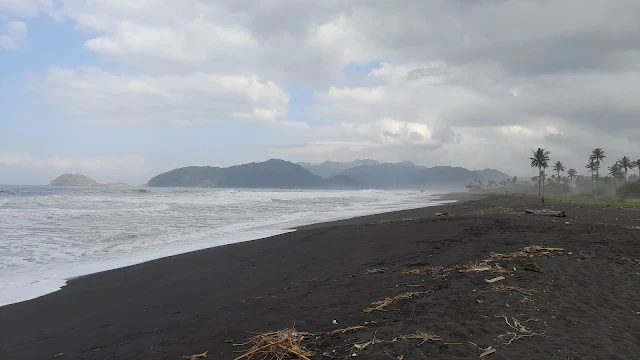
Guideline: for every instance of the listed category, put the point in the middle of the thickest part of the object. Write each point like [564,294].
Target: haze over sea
[50,234]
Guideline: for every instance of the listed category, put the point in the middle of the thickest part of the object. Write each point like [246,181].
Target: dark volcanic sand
[586,301]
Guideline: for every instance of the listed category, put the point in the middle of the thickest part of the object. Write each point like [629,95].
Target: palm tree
[540,160]
[626,164]
[615,171]
[514,181]
[591,167]
[597,155]
[572,174]
[558,167]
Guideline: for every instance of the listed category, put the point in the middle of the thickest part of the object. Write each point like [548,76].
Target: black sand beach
[580,303]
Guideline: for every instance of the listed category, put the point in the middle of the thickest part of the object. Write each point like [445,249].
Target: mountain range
[360,174]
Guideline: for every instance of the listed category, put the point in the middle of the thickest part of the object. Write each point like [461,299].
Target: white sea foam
[49,234]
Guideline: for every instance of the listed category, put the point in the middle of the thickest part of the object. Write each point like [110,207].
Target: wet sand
[580,303]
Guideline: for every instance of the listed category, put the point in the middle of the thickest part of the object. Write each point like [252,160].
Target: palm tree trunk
[539,192]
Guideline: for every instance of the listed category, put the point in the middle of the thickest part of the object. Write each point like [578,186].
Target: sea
[51,234]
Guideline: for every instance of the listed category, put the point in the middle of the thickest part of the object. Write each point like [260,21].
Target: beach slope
[577,298]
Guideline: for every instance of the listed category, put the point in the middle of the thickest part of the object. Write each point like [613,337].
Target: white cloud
[13,36]
[123,163]
[31,8]
[461,82]
[99,97]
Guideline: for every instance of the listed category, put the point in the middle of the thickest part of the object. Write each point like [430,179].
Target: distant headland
[80,180]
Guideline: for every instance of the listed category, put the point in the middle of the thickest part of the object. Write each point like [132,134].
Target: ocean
[51,234]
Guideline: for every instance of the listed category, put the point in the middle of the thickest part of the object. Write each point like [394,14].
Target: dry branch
[421,336]
[529,251]
[382,304]
[521,331]
[362,346]
[196,356]
[345,330]
[491,281]
[278,344]
[436,271]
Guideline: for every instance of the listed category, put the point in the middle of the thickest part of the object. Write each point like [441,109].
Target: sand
[580,303]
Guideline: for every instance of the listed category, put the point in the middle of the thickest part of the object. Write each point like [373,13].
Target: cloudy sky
[121,90]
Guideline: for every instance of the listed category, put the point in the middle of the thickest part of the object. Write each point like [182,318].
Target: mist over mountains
[359,174]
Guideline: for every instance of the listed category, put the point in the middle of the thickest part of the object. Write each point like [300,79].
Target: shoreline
[201,301]
[55,284]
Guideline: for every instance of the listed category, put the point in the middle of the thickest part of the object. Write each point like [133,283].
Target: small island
[80,180]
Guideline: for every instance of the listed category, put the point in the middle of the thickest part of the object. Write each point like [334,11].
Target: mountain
[370,174]
[273,173]
[73,180]
[409,175]
[457,176]
[81,180]
[386,175]
[329,168]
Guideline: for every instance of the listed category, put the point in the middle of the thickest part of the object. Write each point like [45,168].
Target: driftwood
[546,212]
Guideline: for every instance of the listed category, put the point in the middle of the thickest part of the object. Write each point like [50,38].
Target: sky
[122,90]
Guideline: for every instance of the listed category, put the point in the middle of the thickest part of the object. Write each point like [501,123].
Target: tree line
[618,171]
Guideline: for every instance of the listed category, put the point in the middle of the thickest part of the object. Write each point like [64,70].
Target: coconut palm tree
[626,164]
[598,156]
[615,171]
[540,160]
[572,174]
[558,167]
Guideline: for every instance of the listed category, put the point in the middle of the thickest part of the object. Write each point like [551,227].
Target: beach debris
[495,279]
[478,269]
[529,251]
[480,301]
[442,213]
[383,304]
[335,322]
[413,285]
[437,272]
[489,351]
[59,354]
[521,331]
[507,288]
[362,346]
[421,336]
[196,356]
[399,357]
[531,266]
[546,212]
[376,270]
[277,344]
[346,330]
